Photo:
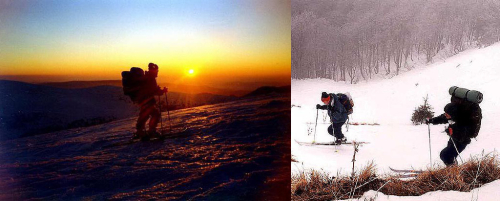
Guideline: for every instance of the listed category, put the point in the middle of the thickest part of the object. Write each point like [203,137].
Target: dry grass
[472,174]
[319,186]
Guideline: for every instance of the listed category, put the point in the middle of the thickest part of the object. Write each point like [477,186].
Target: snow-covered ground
[488,192]
[229,151]
[396,142]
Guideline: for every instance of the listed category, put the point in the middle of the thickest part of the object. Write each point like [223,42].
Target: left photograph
[145,100]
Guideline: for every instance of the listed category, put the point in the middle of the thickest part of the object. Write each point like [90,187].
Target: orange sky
[222,41]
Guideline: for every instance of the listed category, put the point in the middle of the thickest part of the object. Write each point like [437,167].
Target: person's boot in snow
[341,140]
[455,163]
[154,134]
[139,134]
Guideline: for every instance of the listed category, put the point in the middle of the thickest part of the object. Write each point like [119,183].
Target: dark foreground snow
[236,150]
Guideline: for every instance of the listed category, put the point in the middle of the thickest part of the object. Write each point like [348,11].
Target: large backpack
[132,82]
[473,111]
[346,101]
[469,99]
[477,116]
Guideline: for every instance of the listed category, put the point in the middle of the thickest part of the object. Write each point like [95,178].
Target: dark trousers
[148,109]
[449,153]
[336,130]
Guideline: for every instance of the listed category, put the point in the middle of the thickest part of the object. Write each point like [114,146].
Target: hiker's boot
[154,134]
[455,163]
[341,140]
[139,134]
[145,138]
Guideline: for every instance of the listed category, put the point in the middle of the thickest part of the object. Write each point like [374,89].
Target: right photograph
[395,100]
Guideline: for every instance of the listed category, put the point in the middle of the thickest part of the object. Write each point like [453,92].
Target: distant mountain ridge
[82,84]
[181,88]
[29,109]
[269,90]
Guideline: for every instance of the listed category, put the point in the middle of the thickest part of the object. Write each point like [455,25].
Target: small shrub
[422,112]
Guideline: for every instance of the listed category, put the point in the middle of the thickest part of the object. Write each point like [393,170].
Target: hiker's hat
[451,109]
[325,98]
[152,66]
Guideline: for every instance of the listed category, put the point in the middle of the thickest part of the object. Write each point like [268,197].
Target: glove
[449,131]
[318,106]
[429,121]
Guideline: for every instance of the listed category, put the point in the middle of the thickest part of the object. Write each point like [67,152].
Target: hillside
[358,40]
[236,89]
[29,109]
[269,90]
[396,142]
[230,151]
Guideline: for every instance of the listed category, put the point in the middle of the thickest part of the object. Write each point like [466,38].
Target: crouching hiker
[464,116]
[338,113]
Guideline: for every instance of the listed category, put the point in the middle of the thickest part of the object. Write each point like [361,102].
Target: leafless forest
[352,40]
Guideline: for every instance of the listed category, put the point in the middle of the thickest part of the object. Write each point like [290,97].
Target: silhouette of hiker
[142,88]
[147,102]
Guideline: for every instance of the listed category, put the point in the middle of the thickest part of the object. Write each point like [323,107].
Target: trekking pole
[430,152]
[315,126]
[347,124]
[456,149]
[168,113]
[161,118]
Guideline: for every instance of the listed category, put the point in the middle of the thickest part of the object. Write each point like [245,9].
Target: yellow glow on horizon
[211,53]
[222,42]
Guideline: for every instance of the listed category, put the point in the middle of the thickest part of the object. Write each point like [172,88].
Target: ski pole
[161,118]
[168,113]
[456,149]
[347,124]
[430,152]
[316,125]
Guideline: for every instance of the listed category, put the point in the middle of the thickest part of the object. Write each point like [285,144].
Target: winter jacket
[336,111]
[149,88]
[465,120]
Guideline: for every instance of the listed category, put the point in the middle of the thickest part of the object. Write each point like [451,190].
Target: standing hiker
[338,115]
[464,118]
[142,89]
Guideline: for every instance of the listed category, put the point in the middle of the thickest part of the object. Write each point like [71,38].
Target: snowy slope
[488,192]
[235,150]
[29,109]
[390,102]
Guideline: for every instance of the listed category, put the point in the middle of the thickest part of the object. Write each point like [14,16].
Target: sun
[190,72]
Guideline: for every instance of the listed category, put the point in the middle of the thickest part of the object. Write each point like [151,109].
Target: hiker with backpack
[338,113]
[142,88]
[464,117]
